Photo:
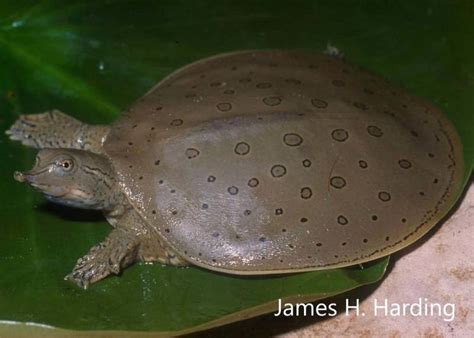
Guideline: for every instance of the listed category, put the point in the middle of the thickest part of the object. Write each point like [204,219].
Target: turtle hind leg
[54,129]
[153,249]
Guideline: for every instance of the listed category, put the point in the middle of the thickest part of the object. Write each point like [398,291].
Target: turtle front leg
[118,251]
[54,129]
[132,240]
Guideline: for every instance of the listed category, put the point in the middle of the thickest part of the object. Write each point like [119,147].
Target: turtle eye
[66,165]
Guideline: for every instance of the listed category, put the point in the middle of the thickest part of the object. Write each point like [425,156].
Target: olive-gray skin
[253,162]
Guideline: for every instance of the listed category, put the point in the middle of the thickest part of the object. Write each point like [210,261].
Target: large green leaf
[92,59]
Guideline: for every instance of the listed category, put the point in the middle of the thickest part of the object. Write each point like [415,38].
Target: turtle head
[72,177]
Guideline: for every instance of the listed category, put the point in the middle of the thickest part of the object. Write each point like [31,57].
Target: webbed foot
[104,259]
[52,129]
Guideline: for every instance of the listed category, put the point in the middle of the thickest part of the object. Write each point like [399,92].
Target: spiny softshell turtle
[253,162]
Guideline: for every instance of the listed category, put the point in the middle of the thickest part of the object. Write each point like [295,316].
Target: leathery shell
[272,161]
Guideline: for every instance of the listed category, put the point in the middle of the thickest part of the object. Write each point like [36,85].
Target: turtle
[252,163]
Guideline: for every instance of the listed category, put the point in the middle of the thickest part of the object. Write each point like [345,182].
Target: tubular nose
[19,176]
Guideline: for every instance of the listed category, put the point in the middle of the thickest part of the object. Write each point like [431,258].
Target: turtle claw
[84,284]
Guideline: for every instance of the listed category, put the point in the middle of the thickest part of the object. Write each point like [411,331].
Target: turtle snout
[19,176]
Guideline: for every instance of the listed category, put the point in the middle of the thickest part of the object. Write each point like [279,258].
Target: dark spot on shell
[242,148]
[167,230]
[263,85]
[374,131]
[279,211]
[153,212]
[130,143]
[253,182]
[340,135]
[233,190]
[422,193]
[344,243]
[435,181]
[293,81]
[404,164]
[172,191]
[384,196]
[342,220]
[306,163]
[338,83]
[363,164]
[247,212]
[158,108]
[192,153]
[224,106]
[291,246]
[215,234]
[160,181]
[338,182]
[360,105]
[318,103]
[292,139]
[278,170]
[211,179]
[174,212]
[365,240]
[414,133]
[134,126]
[431,155]
[306,193]
[205,206]
[229,91]
[404,106]
[176,122]
[140,178]
[262,239]
[404,220]
[303,220]
[272,101]
[319,244]
[374,217]
[387,238]
[283,230]
[157,162]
